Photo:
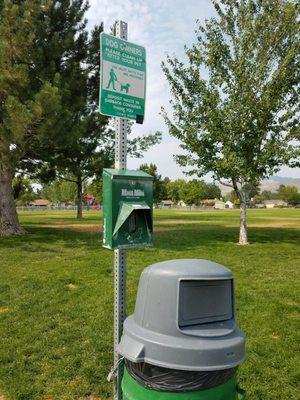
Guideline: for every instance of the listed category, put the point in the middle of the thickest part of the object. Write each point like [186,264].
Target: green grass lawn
[56,298]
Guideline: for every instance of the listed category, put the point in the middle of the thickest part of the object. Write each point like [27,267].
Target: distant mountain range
[271,184]
[274,182]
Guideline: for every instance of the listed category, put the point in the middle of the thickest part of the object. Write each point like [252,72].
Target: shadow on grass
[195,217]
[69,221]
[208,235]
[42,238]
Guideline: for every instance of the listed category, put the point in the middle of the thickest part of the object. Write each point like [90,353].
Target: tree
[234,198]
[212,191]
[257,199]
[81,144]
[165,184]
[192,192]
[59,191]
[189,193]
[289,194]
[267,195]
[25,109]
[95,187]
[159,192]
[23,191]
[236,100]
[173,188]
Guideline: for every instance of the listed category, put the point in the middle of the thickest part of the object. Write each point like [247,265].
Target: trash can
[182,342]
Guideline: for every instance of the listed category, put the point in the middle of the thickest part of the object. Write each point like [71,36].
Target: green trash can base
[132,390]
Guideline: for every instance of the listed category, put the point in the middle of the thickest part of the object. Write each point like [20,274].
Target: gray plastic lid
[184,318]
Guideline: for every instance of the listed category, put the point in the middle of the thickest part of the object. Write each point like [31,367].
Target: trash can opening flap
[202,301]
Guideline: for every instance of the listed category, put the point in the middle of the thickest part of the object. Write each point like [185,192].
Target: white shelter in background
[275,203]
[219,205]
[181,203]
[228,204]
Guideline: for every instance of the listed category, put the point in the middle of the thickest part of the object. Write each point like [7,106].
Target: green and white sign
[123,78]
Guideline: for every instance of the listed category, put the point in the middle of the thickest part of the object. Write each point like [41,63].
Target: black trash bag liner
[172,380]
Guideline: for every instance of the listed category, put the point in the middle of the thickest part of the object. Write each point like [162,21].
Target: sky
[162,27]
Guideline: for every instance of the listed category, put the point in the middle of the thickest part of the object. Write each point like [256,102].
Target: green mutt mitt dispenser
[127,209]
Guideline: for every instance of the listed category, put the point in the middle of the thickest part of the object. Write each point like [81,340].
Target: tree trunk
[79,198]
[243,224]
[9,221]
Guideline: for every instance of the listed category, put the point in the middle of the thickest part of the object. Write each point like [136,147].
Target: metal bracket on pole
[119,255]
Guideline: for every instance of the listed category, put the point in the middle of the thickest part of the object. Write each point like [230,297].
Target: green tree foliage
[231,196]
[235,199]
[192,192]
[26,109]
[23,190]
[159,187]
[289,193]
[267,195]
[173,188]
[59,191]
[164,191]
[212,191]
[81,144]
[95,188]
[258,199]
[236,100]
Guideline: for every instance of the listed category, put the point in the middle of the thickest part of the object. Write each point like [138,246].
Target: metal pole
[119,255]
